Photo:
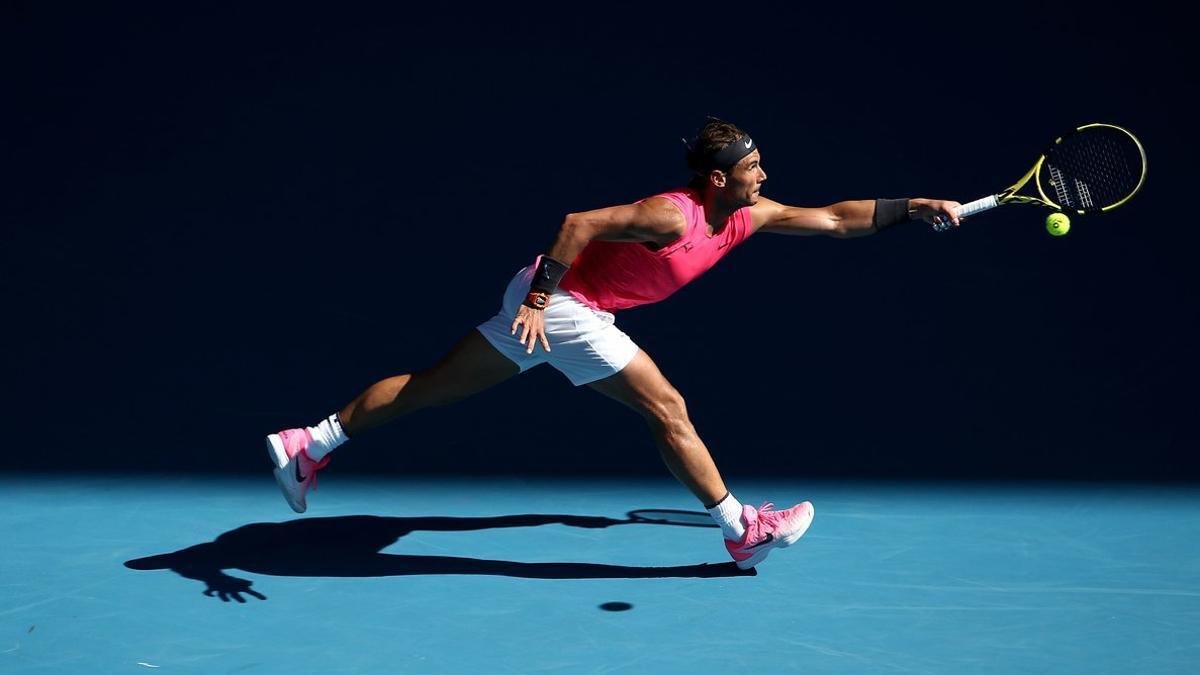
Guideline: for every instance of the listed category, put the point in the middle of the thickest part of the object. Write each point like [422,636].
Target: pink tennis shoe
[294,470]
[768,529]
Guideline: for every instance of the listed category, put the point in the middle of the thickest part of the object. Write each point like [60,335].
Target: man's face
[744,181]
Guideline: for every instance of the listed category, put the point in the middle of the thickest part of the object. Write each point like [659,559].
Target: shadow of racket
[672,517]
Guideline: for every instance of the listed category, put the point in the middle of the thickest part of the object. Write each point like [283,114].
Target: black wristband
[889,212]
[549,272]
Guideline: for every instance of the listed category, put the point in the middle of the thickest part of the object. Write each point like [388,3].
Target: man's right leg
[471,366]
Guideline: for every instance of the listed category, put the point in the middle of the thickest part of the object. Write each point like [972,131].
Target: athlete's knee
[668,410]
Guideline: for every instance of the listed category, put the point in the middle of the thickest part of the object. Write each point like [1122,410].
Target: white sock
[325,437]
[728,514]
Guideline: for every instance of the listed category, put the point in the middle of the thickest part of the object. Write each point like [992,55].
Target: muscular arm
[653,220]
[843,219]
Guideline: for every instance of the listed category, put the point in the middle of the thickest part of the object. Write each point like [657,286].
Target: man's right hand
[533,327]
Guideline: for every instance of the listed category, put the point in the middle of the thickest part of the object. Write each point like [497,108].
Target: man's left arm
[850,218]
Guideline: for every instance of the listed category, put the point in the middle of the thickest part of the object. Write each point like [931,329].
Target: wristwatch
[537,299]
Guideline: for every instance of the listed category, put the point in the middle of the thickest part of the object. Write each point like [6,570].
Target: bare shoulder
[661,215]
[654,220]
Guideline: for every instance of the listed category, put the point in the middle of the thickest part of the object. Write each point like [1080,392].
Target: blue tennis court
[224,222]
[210,574]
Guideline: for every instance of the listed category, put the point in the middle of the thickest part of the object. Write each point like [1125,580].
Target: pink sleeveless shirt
[610,275]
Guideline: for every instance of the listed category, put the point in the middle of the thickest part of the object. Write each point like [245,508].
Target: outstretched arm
[653,220]
[843,219]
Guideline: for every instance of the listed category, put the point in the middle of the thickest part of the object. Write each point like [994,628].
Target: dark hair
[712,137]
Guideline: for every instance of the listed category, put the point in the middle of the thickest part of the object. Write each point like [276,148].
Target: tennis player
[559,310]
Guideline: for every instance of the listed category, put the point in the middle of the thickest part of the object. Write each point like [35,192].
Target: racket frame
[1009,196]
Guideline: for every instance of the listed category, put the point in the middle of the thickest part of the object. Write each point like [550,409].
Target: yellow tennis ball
[1058,224]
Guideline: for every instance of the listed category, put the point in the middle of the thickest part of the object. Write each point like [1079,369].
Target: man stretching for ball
[603,261]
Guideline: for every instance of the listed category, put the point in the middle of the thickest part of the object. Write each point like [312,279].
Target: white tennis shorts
[585,344]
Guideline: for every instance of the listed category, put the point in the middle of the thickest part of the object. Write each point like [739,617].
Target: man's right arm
[655,220]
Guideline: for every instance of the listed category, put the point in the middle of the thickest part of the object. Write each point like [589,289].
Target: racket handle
[978,206]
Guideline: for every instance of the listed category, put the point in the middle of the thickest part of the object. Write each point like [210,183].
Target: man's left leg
[749,533]
[642,387]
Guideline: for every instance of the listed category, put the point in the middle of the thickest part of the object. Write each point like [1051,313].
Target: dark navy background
[221,222]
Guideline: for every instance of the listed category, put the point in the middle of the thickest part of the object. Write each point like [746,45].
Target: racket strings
[1093,169]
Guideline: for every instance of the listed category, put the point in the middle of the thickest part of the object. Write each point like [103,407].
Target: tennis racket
[1092,169]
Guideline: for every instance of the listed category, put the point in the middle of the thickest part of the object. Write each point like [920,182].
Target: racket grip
[977,206]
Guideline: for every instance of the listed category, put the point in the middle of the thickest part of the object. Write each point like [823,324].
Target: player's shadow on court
[350,546]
